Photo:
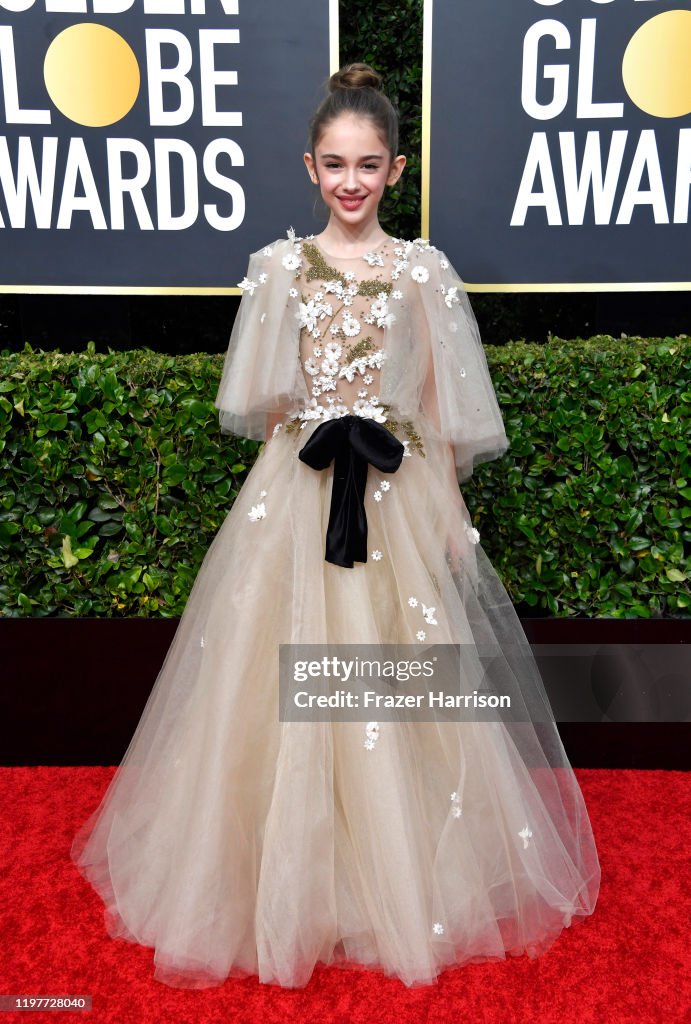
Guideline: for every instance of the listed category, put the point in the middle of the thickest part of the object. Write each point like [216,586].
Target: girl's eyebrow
[331,156]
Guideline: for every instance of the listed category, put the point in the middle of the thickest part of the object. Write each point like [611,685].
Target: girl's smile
[352,204]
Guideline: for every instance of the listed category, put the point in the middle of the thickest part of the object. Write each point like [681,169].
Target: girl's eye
[371,167]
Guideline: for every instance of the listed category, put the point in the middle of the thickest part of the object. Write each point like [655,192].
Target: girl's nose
[351,179]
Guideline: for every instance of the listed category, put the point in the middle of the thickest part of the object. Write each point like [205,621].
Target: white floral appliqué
[248,286]
[525,835]
[291,262]
[258,511]
[351,326]
[372,734]
[473,533]
[428,614]
[375,259]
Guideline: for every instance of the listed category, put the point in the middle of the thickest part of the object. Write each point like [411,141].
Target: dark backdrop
[181,324]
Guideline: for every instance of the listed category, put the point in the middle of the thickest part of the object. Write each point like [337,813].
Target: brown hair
[356,89]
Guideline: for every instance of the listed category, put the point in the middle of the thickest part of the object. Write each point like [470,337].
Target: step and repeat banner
[557,151]
[151,145]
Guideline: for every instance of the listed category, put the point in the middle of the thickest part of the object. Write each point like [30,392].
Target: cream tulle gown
[234,843]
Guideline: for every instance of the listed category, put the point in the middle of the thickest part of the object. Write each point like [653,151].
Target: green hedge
[115,478]
[591,514]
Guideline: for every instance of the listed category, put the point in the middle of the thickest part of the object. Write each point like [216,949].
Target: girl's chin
[358,215]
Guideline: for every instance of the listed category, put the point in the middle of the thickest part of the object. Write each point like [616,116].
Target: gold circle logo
[656,69]
[91,74]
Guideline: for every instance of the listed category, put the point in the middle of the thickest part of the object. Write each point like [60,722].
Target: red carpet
[629,962]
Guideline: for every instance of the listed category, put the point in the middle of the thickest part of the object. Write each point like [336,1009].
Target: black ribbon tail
[355,443]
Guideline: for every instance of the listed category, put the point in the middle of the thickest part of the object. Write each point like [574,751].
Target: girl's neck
[340,242]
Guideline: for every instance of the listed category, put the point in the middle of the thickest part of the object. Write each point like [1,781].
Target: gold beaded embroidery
[363,345]
[322,270]
[319,268]
[407,427]
[292,425]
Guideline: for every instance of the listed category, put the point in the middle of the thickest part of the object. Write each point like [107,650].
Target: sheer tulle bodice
[344,309]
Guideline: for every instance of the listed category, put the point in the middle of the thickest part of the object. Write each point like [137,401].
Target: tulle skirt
[237,844]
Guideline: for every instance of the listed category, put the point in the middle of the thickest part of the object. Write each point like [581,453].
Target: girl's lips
[351,204]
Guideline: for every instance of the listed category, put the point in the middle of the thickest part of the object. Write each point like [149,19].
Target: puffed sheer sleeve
[458,397]
[261,373]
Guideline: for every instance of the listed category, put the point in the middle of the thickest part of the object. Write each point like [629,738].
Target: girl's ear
[396,169]
[309,164]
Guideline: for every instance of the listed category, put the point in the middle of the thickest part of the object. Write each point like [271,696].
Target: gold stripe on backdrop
[334,54]
[426,121]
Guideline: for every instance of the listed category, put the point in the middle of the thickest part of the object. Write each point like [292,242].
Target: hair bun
[355,76]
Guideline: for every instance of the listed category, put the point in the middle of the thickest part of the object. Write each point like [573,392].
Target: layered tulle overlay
[234,843]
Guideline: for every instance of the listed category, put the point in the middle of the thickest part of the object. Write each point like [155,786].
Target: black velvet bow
[354,442]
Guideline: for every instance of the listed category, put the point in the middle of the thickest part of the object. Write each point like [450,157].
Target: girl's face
[353,167]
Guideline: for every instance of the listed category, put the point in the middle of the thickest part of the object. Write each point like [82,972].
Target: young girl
[236,843]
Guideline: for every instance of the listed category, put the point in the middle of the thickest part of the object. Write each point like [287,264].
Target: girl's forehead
[349,129]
